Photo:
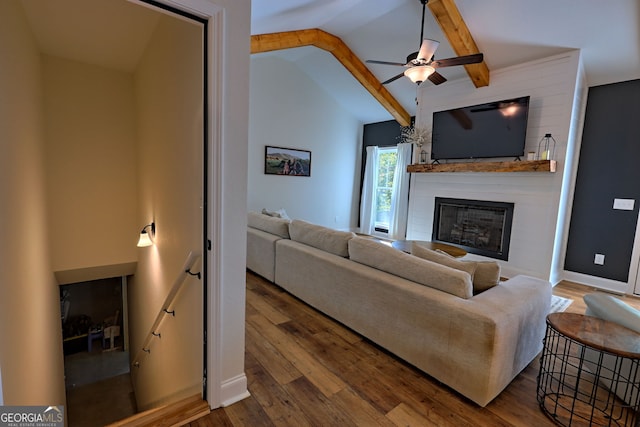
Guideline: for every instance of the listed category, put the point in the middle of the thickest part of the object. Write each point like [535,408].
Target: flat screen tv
[493,129]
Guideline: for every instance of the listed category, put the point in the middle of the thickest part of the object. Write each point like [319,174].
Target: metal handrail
[166,309]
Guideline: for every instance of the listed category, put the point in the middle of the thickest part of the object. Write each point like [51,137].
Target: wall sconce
[145,239]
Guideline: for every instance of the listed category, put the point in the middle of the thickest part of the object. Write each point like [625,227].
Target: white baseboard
[597,282]
[233,390]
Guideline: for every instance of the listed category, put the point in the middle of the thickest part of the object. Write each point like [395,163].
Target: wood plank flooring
[304,369]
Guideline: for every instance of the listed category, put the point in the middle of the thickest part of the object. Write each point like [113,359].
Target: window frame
[379,226]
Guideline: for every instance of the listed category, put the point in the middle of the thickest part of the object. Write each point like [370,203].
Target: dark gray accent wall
[609,168]
[382,134]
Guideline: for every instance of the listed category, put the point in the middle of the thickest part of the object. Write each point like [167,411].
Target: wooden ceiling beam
[455,29]
[334,45]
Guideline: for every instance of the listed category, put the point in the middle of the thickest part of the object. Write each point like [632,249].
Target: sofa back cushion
[484,274]
[269,224]
[326,239]
[382,257]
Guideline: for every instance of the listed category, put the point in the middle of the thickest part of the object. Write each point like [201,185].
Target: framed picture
[287,161]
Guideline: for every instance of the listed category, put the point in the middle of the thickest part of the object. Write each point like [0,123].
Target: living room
[324,202]
[558,87]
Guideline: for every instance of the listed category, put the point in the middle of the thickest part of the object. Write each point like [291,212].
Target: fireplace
[480,227]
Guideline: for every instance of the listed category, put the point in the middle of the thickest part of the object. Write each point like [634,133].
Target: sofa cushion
[610,308]
[487,275]
[269,224]
[484,274]
[327,239]
[382,257]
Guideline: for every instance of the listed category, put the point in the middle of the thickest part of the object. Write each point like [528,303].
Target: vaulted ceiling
[113,33]
[508,32]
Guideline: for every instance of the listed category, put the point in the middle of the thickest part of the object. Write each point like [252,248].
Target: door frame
[217,390]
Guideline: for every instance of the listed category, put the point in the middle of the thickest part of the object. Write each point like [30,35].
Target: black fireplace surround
[478,226]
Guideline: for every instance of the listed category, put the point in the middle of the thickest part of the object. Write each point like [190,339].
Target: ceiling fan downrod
[424,4]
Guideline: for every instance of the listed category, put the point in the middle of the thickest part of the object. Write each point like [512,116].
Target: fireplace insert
[480,227]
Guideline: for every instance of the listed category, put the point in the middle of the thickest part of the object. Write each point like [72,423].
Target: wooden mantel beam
[455,29]
[334,45]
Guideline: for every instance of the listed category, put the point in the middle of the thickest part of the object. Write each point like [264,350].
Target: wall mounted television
[493,129]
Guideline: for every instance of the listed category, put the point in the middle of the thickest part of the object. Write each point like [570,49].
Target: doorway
[151,168]
[96,357]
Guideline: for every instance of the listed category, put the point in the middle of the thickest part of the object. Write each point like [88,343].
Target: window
[387,158]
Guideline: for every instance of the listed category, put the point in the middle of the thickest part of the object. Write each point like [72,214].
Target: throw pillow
[444,259]
[268,212]
[280,213]
[485,274]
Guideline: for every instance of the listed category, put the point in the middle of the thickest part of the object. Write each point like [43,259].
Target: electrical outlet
[599,259]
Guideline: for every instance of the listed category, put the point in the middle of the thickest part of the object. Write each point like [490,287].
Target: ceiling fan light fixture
[427,49]
[419,73]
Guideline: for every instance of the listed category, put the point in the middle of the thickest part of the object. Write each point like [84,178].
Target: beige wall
[91,165]
[31,355]
[30,339]
[170,121]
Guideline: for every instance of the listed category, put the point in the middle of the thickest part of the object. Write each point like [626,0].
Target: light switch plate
[599,259]
[623,204]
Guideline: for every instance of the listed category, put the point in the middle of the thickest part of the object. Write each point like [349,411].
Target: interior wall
[30,345]
[169,95]
[596,227]
[305,117]
[91,165]
[538,197]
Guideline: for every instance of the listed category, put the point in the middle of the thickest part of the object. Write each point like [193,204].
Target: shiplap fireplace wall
[557,89]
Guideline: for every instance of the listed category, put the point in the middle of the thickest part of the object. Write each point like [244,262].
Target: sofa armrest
[261,252]
[519,308]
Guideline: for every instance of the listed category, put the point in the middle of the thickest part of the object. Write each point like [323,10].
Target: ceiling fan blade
[427,49]
[436,78]
[393,79]
[370,61]
[459,60]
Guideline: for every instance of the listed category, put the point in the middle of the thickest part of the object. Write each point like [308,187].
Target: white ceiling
[114,33]
[109,33]
[508,32]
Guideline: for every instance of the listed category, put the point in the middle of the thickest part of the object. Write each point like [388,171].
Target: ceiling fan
[421,65]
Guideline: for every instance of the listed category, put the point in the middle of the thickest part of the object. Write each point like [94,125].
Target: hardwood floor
[304,369]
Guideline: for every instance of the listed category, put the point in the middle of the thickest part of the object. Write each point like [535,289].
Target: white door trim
[221,389]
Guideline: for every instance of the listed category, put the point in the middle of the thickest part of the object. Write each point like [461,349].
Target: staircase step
[170,415]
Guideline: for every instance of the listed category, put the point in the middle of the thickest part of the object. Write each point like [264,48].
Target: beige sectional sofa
[423,311]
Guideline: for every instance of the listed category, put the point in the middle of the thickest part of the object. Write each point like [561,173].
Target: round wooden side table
[589,372]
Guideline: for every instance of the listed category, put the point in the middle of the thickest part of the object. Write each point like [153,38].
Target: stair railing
[167,307]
